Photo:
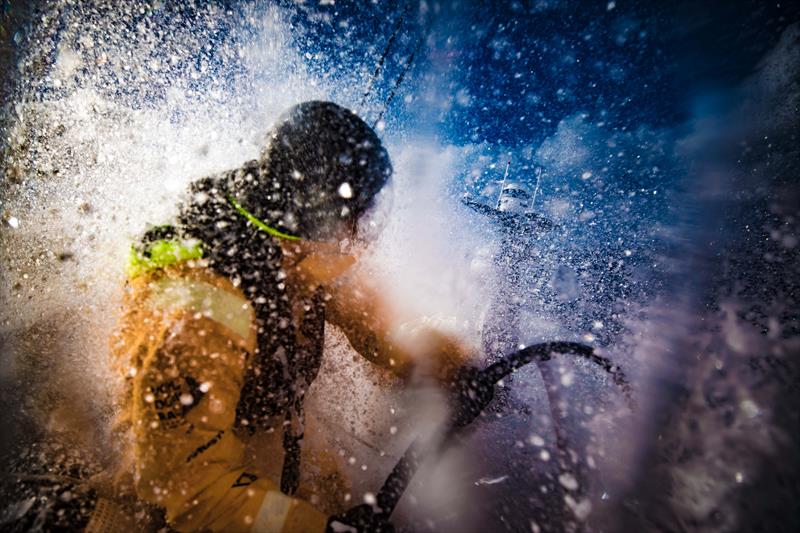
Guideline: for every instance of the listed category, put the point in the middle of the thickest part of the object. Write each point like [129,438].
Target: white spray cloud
[93,158]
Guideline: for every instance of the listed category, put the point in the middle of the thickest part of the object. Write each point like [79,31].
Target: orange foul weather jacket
[187,336]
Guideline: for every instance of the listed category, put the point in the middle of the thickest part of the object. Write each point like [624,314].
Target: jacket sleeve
[188,459]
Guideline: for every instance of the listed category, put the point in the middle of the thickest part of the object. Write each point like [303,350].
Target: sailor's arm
[372,326]
[381,335]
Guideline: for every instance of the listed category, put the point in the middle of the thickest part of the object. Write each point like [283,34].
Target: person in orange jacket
[223,326]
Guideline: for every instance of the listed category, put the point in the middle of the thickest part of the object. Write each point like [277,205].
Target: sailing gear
[160,254]
[319,173]
[259,224]
[187,336]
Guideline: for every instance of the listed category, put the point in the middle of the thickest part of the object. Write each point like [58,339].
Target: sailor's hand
[360,519]
[470,394]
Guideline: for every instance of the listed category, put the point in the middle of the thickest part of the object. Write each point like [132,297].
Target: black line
[385,54]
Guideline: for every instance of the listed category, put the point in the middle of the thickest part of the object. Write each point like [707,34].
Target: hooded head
[320,171]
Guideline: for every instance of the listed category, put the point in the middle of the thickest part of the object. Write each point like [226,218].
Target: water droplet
[568,481]
[544,455]
[345,191]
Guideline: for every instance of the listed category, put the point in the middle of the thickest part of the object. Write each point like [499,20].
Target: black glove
[470,393]
[360,519]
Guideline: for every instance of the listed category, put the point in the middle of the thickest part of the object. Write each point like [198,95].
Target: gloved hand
[360,519]
[470,393]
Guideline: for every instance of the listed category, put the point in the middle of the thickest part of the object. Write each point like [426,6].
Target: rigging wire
[385,54]
[407,64]
[400,78]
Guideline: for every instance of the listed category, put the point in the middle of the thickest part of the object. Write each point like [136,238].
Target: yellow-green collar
[167,252]
[161,254]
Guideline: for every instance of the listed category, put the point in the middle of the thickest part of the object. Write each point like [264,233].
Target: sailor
[223,325]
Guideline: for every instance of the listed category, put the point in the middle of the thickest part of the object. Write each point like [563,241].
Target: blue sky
[608,88]
[516,69]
